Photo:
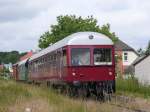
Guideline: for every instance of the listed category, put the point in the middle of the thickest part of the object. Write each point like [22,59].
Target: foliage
[5,73]
[148,49]
[15,97]
[132,86]
[71,24]
[9,91]
[6,70]
[10,57]
[141,52]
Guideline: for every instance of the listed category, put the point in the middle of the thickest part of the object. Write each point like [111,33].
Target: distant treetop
[69,24]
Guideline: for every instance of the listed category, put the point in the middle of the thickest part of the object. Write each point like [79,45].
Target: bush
[131,85]
[10,91]
[17,95]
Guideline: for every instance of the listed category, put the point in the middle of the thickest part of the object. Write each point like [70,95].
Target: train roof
[80,38]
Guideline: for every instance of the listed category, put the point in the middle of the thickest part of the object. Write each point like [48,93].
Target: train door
[58,63]
[61,62]
[64,62]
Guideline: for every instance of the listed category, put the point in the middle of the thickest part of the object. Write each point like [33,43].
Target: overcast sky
[23,21]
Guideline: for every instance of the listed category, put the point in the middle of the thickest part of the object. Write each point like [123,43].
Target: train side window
[31,67]
[45,59]
[42,60]
[51,58]
[102,56]
[55,57]
[36,65]
[64,58]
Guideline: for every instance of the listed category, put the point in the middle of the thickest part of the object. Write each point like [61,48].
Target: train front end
[92,65]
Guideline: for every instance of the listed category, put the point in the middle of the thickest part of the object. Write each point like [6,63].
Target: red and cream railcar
[83,58]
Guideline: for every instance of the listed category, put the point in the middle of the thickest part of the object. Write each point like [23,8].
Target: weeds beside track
[15,97]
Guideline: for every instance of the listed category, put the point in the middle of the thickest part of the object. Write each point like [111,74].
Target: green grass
[11,93]
[132,87]
[16,96]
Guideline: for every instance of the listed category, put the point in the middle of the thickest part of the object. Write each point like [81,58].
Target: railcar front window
[102,56]
[80,56]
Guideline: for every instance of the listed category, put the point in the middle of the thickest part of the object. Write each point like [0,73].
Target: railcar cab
[91,63]
[91,60]
[84,57]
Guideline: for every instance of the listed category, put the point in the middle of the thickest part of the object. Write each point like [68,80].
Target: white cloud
[22,22]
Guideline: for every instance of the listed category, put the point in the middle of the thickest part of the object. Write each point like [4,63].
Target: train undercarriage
[101,90]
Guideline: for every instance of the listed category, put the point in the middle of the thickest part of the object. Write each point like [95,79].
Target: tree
[141,52]
[10,57]
[71,24]
[148,48]
[4,71]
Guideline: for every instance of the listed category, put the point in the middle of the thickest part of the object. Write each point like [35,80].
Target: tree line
[10,57]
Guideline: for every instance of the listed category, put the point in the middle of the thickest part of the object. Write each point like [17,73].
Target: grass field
[17,97]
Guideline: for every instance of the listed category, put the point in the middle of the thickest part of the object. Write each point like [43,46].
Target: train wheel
[100,96]
[107,95]
[83,93]
[79,92]
[69,91]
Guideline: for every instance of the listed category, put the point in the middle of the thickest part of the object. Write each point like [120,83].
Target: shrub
[131,85]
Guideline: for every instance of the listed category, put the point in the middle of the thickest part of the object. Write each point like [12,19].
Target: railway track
[121,101]
[127,108]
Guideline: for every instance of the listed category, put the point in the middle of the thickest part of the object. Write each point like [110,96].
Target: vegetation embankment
[16,97]
[10,57]
[131,87]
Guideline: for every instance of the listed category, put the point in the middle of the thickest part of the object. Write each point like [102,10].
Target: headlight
[73,74]
[110,73]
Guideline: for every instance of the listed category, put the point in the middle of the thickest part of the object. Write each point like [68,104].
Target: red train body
[82,60]
[57,71]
